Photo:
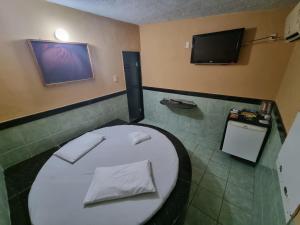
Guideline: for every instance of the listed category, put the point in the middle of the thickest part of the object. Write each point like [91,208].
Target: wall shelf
[178,103]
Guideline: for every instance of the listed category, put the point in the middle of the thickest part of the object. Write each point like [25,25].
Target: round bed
[56,196]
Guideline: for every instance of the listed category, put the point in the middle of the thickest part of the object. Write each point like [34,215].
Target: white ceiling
[150,11]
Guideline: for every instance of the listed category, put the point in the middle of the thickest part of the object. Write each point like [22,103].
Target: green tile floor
[222,187]
[222,190]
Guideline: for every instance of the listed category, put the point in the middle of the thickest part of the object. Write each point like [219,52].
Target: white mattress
[57,193]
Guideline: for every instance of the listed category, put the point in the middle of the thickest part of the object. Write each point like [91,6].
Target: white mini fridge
[243,140]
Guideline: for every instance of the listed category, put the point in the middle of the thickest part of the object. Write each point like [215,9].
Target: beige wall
[165,61]
[288,98]
[297,219]
[21,89]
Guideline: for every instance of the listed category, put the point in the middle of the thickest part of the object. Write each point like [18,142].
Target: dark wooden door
[132,69]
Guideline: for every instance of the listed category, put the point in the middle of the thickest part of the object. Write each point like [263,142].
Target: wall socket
[273,37]
[115,78]
[187,44]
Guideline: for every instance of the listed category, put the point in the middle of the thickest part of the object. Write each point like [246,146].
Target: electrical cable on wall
[270,38]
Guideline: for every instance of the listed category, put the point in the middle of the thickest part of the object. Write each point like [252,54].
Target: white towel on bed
[121,181]
[74,150]
[138,137]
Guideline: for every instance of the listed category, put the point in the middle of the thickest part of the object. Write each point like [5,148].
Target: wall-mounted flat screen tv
[62,62]
[217,48]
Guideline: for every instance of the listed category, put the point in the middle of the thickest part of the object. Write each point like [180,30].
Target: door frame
[140,87]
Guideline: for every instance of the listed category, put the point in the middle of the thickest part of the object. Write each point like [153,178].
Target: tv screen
[217,48]
[62,62]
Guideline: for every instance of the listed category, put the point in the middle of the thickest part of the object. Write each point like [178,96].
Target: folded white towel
[74,150]
[120,181]
[138,137]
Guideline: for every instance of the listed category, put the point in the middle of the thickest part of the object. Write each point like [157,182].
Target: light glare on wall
[61,34]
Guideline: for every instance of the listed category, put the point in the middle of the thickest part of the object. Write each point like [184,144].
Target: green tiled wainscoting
[207,121]
[4,208]
[27,140]
[224,191]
